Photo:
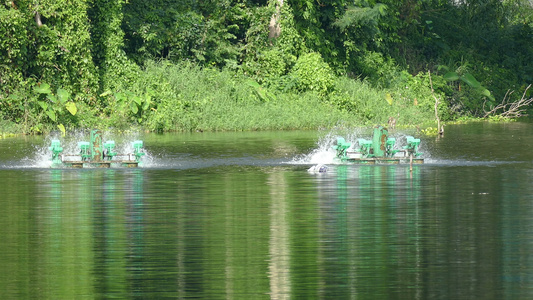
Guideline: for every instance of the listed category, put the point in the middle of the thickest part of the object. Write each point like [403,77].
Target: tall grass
[407,103]
[190,98]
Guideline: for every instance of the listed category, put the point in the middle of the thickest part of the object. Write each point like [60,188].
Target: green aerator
[378,150]
[96,154]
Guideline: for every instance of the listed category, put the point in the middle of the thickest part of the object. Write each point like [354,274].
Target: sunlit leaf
[43,105]
[119,97]
[71,107]
[106,93]
[133,107]
[253,84]
[14,97]
[262,94]
[62,95]
[43,88]
[51,115]
[389,99]
[62,129]
[52,98]
[382,8]
[271,96]
[146,103]
[137,100]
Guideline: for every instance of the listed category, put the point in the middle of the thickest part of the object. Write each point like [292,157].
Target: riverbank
[182,97]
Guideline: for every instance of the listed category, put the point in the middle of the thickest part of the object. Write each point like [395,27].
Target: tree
[107,36]
[208,32]
[49,40]
[14,46]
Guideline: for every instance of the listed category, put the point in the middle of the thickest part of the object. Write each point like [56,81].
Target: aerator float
[96,154]
[379,150]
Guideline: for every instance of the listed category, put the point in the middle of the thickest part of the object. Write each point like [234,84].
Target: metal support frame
[379,149]
[96,153]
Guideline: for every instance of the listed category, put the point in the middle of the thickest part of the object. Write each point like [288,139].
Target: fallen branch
[511,109]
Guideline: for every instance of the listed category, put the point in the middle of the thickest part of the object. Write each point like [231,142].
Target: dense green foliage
[258,64]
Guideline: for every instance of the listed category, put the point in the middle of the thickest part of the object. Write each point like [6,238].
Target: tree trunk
[274,26]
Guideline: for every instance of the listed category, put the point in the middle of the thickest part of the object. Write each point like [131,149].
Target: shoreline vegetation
[261,65]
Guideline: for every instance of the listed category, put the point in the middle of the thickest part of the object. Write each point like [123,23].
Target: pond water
[238,216]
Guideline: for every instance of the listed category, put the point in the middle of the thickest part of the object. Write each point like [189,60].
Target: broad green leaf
[106,93]
[271,96]
[487,94]
[62,129]
[262,94]
[43,88]
[51,114]
[43,105]
[119,97]
[253,84]
[443,67]
[52,98]
[388,97]
[62,95]
[471,81]
[451,76]
[129,95]
[147,103]
[71,107]
[137,100]
[133,107]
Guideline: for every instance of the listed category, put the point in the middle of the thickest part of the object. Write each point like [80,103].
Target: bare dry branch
[437,102]
[511,109]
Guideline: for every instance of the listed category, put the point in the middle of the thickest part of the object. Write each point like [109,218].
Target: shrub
[313,74]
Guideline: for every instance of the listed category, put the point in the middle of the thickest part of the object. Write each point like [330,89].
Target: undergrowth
[190,98]
[184,97]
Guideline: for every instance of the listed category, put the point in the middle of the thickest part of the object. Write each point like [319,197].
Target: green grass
[193,99]
[185,97]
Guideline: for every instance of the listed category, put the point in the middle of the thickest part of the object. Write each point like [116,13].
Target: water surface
[237,216]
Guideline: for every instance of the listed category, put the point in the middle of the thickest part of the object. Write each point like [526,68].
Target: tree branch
[437,101]
[511,109]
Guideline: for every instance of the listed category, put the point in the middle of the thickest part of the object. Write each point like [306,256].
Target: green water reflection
[264,233]
[451,231]
[373,234]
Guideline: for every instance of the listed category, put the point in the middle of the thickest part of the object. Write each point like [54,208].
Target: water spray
[95,154]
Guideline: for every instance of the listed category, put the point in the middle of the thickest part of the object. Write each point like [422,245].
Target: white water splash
[41,157]
[324,154]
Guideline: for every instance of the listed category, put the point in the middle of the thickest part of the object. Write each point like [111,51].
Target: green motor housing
[341,146]
[412,146]
[109,147]
[137,150]
[56,149]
